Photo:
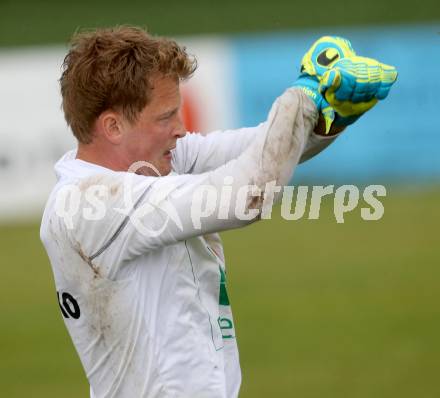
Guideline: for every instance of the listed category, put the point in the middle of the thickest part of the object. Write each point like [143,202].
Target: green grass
[322,309]
[25,22]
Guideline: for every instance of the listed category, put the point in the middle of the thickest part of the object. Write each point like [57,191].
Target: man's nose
[180,130]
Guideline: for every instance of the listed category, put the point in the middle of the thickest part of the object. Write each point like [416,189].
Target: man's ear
[111,126]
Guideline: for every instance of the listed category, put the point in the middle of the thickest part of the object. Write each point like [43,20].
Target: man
[140,282]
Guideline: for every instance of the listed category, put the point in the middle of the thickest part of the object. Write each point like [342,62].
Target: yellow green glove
[350,85]
[354,85]
[318,59]
[324,53]
[310,86]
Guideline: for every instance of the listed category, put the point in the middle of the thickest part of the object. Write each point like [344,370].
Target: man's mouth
[168,153]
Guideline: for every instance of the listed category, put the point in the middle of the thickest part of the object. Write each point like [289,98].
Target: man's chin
[164,167]
[164,171]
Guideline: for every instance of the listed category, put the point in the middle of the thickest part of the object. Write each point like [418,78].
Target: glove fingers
[389,73]
[388,78]
[331,80]
[353,96]
[364,91]
[347,87]
[364,79]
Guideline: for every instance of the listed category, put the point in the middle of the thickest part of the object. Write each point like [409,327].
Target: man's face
[157,128]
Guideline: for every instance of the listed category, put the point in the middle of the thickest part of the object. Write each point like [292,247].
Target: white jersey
[146,304]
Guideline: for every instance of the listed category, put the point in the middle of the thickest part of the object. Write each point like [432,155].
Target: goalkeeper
[144,298]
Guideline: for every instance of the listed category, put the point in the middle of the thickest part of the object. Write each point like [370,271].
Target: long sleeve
[145,213]
[197,153]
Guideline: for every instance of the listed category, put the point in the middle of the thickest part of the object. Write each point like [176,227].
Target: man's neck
[110,160]
[89,153]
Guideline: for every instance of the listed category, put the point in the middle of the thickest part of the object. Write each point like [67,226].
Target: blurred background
[321,309]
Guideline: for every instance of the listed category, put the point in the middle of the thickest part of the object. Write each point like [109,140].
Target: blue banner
[399,140]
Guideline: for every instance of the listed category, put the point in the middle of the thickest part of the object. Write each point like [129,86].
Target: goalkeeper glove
[318,59]
[350,85]
[310,86]
[324,53]
[354,85]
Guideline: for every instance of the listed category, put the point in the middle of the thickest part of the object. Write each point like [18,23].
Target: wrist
[320,128]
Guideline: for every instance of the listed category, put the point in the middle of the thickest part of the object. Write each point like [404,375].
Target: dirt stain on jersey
[89,182]
[89,262]
[114,189]
[290,122]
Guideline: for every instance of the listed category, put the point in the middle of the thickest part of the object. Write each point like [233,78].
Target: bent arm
[197,153]
[178,207]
